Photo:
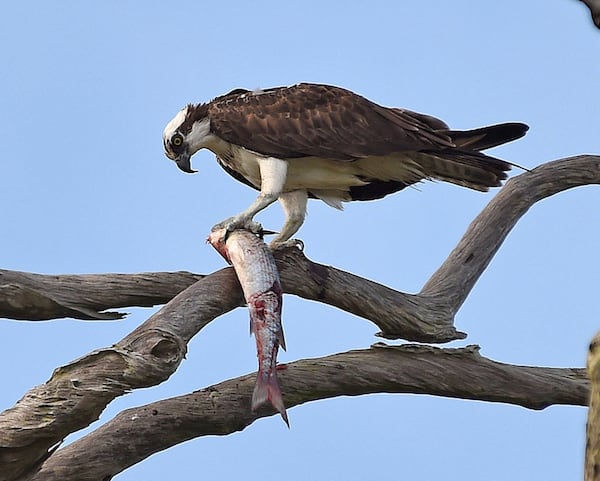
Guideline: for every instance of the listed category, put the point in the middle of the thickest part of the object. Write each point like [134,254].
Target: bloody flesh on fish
[264,309]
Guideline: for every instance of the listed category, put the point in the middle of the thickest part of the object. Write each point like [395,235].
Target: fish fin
[267,389]
[281,338]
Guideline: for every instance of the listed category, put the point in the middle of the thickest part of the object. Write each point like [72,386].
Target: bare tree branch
[26,296]
[224,408]
[456,277]
[398,315]
[594,6]
[76,394]
[42,297]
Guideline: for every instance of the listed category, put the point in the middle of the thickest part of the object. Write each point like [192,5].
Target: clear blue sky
[86,89]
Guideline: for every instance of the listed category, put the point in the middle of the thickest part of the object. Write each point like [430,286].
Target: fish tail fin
[267,389]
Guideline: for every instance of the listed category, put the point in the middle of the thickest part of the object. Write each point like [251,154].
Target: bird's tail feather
[469,169]
[487,137]
[465,165]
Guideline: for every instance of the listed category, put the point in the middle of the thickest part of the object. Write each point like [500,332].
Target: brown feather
[322,121]
[319,121]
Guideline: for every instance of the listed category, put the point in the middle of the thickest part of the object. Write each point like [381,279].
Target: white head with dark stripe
[186,134]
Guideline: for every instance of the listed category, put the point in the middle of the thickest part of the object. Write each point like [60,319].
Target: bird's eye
[177,140]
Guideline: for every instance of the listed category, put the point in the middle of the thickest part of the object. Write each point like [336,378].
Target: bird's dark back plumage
[328,122]
[310,120]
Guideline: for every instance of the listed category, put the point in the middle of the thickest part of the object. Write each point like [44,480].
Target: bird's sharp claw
[295,243]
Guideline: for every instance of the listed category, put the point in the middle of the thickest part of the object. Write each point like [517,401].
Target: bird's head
[186,134]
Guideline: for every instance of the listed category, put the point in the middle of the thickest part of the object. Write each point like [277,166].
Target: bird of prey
[326,142]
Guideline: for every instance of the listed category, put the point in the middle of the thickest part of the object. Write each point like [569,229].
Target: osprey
[325,142]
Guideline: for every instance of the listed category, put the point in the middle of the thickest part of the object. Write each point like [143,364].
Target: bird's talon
[252,226]
[295,243]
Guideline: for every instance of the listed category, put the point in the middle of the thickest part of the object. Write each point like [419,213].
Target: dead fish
[257,272]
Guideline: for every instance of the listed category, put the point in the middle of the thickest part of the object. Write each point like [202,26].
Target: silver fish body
[257,272]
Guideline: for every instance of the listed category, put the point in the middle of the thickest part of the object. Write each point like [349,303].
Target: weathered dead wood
[594,6]
[398,315]
[76,394]
[592,445]
[38,297]
[224,408]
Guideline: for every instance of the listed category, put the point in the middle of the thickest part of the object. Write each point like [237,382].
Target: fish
[256,270]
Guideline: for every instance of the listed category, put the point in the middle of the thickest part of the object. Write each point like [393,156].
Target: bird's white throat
[200,136]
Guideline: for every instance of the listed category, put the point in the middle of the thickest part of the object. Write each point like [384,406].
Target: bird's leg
[273,175]
[294,207]
[244,220]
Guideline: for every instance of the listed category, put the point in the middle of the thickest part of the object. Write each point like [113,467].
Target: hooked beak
[183,162]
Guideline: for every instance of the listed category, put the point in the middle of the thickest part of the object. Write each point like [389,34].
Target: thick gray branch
[38,297]
[224,408]
[594,6]
[398,315]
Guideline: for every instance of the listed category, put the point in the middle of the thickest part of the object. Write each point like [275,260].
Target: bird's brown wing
[310,120]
